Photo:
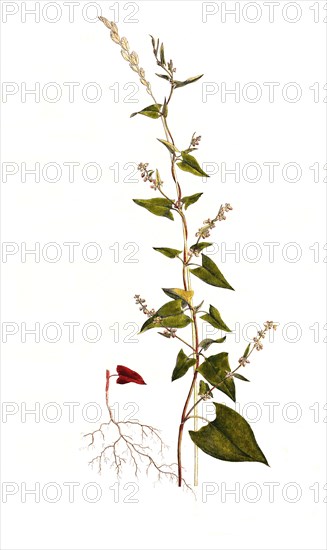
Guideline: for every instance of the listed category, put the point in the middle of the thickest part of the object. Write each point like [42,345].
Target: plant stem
[195,335]
[195,338]
[198,417]
[184,342]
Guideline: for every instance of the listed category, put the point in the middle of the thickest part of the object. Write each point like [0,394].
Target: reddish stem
[189,395]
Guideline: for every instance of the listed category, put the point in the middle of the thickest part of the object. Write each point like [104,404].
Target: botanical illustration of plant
[228,437]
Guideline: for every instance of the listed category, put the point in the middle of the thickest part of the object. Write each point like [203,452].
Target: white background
[289,370]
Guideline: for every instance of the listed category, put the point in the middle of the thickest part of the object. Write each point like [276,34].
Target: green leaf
[181,83]
[187,201]
[180,294]
[170,308]
[153,111]
[204,389]
[176,321]
[162,54]
[198,247]
[190,164]
[210,274]
[171,315]
[149,323]
[165,76]
[207,342]
[155,45]
[215,369]
[169,252]
[190,150]
[214,318]
[165,109]
[158,207]
[228,437]
[158,178]
[246,353]
[240,377]
[183,363]
[169,146]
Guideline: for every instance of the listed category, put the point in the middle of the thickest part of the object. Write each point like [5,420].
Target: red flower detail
[127,375]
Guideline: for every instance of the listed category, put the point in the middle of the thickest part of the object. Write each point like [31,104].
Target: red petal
[123,380]
[125,371]
[128,375]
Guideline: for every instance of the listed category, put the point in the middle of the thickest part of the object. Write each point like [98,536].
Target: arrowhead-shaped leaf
[214,318]
[187,201]
[183,363]
[179,293]
[170,308]
[207,342]
[172,316]
[158,207]
[153,111]
[215,369]
[173,308]
[169,252]
[190,164]
[181,83]
[171,148]
[228,437]
[210,274]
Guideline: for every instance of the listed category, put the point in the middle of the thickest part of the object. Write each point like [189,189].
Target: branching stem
[187,286]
